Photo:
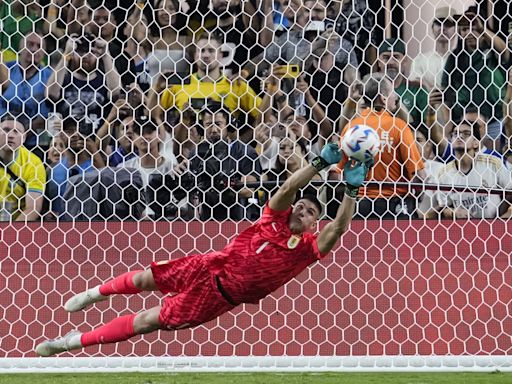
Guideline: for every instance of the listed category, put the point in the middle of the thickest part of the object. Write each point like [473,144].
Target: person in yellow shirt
[22,175]
[209,82]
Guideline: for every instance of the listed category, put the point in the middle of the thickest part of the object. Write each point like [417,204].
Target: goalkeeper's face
[304,216]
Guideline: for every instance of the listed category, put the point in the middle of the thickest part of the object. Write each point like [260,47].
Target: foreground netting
[395,296]
[130,174]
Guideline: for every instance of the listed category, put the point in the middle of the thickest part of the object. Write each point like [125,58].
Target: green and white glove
[330,154]
[355,173]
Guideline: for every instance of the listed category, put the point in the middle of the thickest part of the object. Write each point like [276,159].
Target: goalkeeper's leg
[128,283]
[119,329]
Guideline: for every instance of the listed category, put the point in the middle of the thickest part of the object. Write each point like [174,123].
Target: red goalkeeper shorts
[196,298]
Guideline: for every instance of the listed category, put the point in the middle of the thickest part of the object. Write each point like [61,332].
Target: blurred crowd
[198,110]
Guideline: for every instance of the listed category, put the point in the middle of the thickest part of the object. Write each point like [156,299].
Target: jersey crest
[293,241]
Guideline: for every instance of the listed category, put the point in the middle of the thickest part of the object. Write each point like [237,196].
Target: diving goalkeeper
[258,261]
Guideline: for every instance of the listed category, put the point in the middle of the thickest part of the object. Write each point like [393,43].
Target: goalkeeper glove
[330,154]
[355,173]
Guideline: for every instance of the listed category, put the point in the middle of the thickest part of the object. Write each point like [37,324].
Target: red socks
[121,284]
[119,329]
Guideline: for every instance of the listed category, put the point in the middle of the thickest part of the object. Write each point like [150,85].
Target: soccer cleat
[84,299]
[63,344]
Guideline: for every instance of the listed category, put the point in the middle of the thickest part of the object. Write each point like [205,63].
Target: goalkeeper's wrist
[319,163]
[351,191]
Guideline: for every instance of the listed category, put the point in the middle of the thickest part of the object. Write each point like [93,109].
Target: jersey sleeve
[249,101]
[272,216]
[504,177]
[167,100]
[34,175]
[312,241]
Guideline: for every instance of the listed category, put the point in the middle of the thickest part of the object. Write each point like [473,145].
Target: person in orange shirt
[399,159]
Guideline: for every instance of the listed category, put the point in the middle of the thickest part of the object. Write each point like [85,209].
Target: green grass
[263,378]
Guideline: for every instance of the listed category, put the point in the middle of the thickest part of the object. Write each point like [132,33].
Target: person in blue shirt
[81,157]
[25,92]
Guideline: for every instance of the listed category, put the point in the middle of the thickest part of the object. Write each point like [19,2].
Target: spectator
[159,170]
[267,136]
[124,148]
[136,51]
[168,34]
[209,82]
[27,80]
[104,26]
[474,74]
[279,19]
[221,161]
[82,156]
[294,45]
[471,114]
[55,25]
[78,86]
[17,20]
[331,69]
[356,22]
[23,176]
[115,137]
[150,159]
[239,40]
[315,131]
[261,16]
[427,68]
[474,170]
[320,19]
[292,124]
[58,148]
[487,145]
[292,155]
[316,104]
[79,17]
[399,158]
[432,168]
[394,63]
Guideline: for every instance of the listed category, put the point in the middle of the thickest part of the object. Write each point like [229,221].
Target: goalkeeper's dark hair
[373,88]
[312,198]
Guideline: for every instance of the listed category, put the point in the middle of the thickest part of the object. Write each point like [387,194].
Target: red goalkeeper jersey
[263,257]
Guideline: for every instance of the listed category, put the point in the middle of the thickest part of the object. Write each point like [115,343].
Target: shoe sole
[69,306]
[45,350]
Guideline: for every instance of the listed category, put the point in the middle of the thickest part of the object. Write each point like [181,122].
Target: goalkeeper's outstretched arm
[355,174]
[286,195]
[330,234]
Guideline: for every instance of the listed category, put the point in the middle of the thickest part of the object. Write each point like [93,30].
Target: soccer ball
[360,143]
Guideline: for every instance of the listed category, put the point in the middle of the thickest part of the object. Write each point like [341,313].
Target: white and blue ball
[361,143]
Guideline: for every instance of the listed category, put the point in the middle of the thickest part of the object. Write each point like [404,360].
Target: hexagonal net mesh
[134,132]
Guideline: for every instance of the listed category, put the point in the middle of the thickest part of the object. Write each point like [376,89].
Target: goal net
[134,132]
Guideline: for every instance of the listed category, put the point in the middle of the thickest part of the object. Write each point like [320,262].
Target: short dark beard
[459,152]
